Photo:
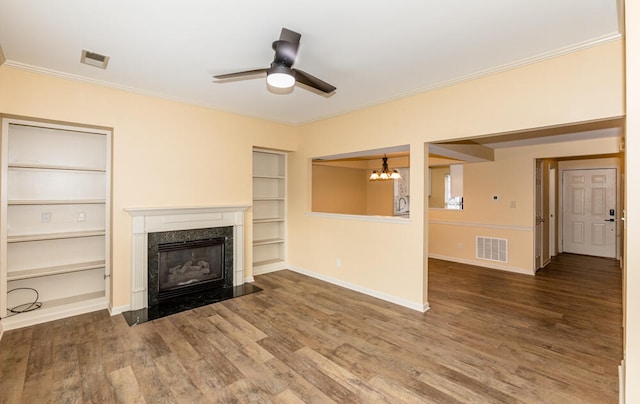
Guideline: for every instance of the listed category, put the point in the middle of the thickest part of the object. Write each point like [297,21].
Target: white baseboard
[621,381]
[357,288]
[114,311]
[523,271]
[249,279]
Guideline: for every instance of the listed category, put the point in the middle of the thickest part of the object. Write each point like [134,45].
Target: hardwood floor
[490,336]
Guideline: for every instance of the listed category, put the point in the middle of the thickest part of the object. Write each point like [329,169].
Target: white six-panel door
[589,216]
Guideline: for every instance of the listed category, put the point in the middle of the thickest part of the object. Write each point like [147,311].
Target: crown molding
[445,83]
[484,73]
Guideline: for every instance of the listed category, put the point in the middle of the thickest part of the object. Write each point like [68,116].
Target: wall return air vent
[94,59]
[493,249]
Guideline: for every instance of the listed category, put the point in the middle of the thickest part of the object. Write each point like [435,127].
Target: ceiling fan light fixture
[281,77]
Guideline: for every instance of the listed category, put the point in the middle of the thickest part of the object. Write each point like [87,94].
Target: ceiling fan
[281,74]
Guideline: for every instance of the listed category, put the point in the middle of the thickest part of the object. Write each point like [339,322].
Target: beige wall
[512,178]
[577,87]
[339,189]
[164,153]
[632,261]
[379,198]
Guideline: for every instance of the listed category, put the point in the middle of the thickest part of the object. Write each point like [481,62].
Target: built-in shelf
[36,166]
[54,236]
[54,220]
[269,207]
[56,202]
[62,269]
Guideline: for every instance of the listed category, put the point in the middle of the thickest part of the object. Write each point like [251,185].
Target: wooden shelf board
[56,270]
[36,166]
[270,177]
[55,201]
[268,262]
[54,236]
[268,241]
[269,198]
[73,299]
[268,220]
[56,309]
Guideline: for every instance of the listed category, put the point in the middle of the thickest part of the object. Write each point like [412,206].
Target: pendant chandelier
[385,173]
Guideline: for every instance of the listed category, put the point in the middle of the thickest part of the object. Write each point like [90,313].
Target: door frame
[542,215]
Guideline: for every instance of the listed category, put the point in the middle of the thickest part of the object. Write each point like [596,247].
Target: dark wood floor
[490,336]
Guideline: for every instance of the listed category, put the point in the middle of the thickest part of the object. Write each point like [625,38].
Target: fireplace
[151,227]
[190,261]
[170,228]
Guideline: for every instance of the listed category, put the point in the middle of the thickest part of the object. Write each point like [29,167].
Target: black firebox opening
[194,262]
[190,266]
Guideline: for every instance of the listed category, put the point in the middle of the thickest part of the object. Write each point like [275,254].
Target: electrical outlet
[338,263]
[512,204]
[81,217]
[46,217]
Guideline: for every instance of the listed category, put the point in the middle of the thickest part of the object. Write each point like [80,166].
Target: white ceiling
[372,51]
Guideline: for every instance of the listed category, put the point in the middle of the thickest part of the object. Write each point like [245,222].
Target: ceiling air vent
[94,59]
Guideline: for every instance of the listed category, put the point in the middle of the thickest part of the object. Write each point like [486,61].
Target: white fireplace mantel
[151,220]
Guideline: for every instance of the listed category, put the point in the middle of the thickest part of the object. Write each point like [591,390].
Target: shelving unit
[54,215]
[269,207]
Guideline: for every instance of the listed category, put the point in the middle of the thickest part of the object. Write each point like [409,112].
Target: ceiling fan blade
[290,36]
[286,47]
[239,74]
[312,81]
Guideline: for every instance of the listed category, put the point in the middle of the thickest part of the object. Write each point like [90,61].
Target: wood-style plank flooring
[490,336]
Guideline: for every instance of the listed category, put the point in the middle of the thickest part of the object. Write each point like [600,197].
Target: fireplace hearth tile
[187,302]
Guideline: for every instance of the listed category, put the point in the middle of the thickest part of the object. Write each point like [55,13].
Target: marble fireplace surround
[152,220]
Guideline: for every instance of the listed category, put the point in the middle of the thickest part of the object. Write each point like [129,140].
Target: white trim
[150,220]
[621,381]
[114,311]
[483,225]
[490,265]
[357,288]
[185,210]
[363,218]
[249,279]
